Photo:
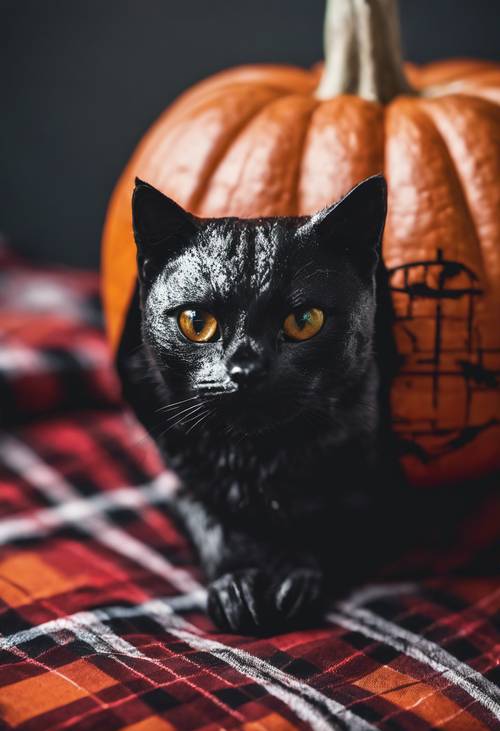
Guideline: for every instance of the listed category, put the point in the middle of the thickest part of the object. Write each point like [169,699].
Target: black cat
[263,377]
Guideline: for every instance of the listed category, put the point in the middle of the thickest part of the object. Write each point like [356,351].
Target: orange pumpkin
[276,140]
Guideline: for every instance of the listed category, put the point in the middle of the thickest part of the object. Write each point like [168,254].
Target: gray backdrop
[83,79]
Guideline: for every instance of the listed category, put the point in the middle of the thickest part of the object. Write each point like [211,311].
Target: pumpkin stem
[363,51]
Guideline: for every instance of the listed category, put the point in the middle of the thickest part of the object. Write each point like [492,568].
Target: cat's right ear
[161,227]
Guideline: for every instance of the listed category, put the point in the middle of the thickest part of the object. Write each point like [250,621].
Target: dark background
[83,79]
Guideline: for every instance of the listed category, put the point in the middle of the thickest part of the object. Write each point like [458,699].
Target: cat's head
[263,321]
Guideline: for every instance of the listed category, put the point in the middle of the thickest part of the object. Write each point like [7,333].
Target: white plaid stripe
[352,617]
[308,704]
[349,615]
[17,456]
[18,360]
[88,628]
[75,512]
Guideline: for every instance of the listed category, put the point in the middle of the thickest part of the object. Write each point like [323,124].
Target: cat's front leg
[256,585]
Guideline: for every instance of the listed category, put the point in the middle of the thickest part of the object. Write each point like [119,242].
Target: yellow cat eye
[198,325]
[304,324]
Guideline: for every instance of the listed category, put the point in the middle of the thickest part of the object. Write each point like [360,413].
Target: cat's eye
[199,326]
[303,324]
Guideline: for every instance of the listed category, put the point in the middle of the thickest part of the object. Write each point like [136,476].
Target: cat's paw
[236,601]
[299,596]
[250,601]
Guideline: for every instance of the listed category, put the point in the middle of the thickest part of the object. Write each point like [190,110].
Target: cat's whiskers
[186,412]
[191,417]
[177,403]
[186,416]
[204,416]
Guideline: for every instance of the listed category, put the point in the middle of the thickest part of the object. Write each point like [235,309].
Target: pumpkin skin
[256,141]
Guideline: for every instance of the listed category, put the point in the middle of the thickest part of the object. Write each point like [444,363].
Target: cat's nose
[247,373]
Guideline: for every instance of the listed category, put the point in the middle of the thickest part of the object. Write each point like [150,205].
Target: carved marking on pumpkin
[465,359]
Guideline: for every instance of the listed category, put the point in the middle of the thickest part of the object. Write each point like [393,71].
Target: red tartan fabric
[52,353]
[102,617]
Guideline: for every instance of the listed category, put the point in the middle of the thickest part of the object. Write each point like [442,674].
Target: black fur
[283,473]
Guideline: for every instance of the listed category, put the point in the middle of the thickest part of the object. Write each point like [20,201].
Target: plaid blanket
[52,353]
[102,604]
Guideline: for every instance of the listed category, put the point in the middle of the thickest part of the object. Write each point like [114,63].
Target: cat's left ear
[161,227]
[355,224]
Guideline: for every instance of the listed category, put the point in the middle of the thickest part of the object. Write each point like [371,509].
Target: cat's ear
[161,226]
[355,224]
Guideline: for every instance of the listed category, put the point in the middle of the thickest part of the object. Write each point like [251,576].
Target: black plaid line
[41,644]
[159,700]
[373,710]
[388,608]
[122,516]
[462,649]
[383,654]
[141,623]
[206,660]
[233,697]
[493,674]
[357,641]
[236,697]
[279,659]
[301,668]
[8,411]
[12,622]
[416,622]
